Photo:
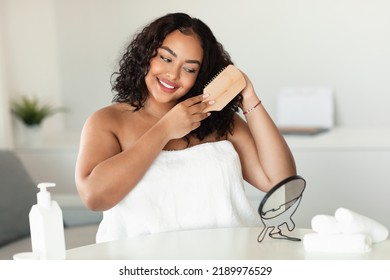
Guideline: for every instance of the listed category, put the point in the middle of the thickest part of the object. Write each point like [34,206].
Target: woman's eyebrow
[175,55]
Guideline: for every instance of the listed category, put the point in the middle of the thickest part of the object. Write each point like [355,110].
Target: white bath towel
[199,187]
[336,243]
[325,224]
[351,222]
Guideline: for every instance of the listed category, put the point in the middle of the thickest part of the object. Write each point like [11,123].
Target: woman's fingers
[197,104]
[187,115]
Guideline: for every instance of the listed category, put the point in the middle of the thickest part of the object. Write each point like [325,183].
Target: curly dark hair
[129,83]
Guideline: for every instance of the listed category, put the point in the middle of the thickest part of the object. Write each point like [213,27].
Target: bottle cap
[44,198]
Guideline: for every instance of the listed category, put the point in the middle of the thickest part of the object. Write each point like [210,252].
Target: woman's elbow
[91,202]
[91,198]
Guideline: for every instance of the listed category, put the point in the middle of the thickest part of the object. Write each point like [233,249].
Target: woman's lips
[167,86]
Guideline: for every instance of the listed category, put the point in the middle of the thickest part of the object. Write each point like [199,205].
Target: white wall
[29,43]
[67,49]
[6,140]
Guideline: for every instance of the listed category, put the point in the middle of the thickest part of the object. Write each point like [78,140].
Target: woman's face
[174,69]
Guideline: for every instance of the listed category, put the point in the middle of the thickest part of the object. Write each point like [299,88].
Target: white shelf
[342,138]
[64,141]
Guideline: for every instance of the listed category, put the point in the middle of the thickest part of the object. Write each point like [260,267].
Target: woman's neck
[156,110]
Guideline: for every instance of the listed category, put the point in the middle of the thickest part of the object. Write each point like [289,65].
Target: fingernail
[205,95]
[211,102]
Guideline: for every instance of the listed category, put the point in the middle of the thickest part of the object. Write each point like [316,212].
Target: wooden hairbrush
[224,87]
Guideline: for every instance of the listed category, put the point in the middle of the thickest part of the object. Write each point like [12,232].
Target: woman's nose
[173,72]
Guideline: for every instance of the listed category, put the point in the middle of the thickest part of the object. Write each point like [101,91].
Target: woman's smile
[167,86]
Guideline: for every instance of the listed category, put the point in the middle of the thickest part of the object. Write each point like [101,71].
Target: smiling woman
[156,160]
[173,71]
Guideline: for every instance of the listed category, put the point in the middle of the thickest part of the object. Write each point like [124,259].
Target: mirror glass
[278,206]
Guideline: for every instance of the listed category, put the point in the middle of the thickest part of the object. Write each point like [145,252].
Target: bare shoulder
[107,124]
[110,119]
[99,137]
[111,114]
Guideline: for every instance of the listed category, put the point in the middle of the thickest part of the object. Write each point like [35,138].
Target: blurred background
[64,52]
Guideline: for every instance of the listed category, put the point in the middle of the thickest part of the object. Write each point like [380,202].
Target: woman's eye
[189,70]
[165,58]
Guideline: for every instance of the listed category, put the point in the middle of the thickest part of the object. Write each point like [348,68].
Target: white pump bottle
[46,226]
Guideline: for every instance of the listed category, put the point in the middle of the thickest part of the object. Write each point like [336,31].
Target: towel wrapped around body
[198,187]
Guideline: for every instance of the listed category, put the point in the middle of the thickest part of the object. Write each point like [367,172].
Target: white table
[213,244]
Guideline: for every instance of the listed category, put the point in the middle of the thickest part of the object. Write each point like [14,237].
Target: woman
[156,159]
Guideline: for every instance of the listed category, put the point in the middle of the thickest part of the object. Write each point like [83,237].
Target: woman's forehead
[183,45]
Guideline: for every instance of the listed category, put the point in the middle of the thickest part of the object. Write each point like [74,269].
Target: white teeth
[166,85]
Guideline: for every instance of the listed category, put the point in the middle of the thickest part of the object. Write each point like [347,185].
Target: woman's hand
[250,98]
[185,116]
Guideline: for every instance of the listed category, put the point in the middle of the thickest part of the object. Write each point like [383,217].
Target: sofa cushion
[18,194]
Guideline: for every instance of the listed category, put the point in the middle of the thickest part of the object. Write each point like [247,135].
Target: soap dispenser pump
[46,226]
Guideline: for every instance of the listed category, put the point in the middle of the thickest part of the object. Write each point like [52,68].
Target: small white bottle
[46,226]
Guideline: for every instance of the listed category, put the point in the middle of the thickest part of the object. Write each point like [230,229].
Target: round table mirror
[278,206]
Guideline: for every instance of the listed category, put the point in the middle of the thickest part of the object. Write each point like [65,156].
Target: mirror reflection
[279,205]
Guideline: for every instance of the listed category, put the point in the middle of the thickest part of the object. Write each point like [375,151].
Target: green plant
[31,112]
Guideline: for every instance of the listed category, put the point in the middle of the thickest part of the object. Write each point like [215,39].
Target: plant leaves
[30,112]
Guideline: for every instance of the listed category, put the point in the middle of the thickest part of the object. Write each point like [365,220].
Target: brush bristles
[216,75]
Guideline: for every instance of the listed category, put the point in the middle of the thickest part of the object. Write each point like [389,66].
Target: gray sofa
[17,195]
